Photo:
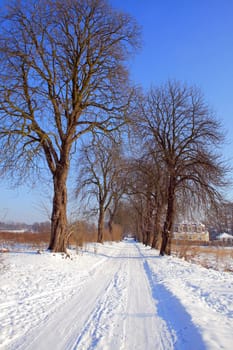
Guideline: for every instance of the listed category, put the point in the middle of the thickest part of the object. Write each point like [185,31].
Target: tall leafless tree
[186,134]
[63,74]
[146,187]
[101,178]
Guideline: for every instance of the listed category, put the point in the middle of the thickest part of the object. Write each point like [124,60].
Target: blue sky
[187,40]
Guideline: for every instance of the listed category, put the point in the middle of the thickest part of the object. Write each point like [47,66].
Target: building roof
[224,235]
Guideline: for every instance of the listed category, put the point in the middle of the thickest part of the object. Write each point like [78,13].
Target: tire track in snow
[31,312]
[141,313]
[61,329]
[109,306]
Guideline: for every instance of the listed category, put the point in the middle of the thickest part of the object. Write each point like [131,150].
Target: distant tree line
[39,227]
[14,226]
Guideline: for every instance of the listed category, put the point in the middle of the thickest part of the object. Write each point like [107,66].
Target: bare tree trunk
[110,228]
[148,237]
[157,227]
[156,233]
[154,240]
[143,237]
[59,232]
[166,234]
[165,239]
[100,226]
[143,234]
[59,225]
[148,221]
[110,222]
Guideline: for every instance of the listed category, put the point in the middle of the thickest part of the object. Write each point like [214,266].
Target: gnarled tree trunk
[59,225]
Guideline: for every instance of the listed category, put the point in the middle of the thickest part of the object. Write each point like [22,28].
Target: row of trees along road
[177,166]
[63,76]
[181,136]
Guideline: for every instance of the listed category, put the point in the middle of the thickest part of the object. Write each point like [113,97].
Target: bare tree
[146,188]
[63,74]
[101,178]
[185,133]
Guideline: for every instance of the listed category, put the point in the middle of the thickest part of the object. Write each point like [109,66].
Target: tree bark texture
[166,233]
[101,226]
[59,225]
[156,230]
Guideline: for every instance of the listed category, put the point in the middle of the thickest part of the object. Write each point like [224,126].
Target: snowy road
[123,297]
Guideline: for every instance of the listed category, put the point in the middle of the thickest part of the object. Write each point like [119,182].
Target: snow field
[122,297]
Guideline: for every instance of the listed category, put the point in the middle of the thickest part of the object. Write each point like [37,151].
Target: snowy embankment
[120,296]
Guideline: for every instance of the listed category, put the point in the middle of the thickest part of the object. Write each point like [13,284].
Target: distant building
[225,237]
[190,231]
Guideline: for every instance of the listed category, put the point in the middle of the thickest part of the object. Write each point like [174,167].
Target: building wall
[190,231]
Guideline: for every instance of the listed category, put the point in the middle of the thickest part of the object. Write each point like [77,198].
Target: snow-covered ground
[113,297]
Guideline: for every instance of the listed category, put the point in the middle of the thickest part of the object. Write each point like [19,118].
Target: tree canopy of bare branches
[186,135]
[101,178]
[63,74]
[146,191]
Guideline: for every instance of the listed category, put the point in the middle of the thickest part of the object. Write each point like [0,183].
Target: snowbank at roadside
[206,295]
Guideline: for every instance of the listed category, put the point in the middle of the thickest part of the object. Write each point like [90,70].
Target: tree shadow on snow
[174,314]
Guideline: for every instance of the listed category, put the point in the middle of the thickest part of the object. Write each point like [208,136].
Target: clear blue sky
[187,40]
